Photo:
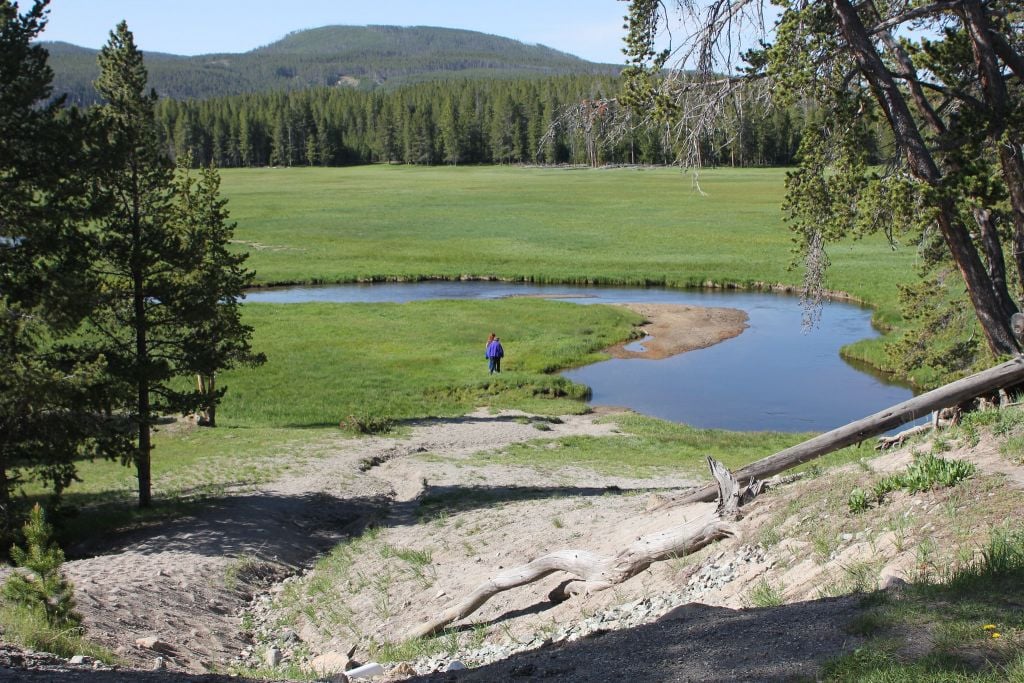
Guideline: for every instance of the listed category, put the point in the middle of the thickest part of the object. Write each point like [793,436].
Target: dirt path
[186,583]
[176,584]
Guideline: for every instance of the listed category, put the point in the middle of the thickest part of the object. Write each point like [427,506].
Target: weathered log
[1003,375]
[595,572]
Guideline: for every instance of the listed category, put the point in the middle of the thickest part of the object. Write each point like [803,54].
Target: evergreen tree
[50,396]
[942,78]
[157,317]
[41,585]
[217,280]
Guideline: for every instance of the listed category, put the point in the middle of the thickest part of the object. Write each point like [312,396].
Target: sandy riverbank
[678,328]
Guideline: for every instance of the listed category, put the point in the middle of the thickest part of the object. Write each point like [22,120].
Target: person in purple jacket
[494,354]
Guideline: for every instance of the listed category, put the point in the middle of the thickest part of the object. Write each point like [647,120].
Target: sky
[591,29]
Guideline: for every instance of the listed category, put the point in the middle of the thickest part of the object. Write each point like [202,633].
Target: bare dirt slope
[799,546]
[186,582]
[691,619]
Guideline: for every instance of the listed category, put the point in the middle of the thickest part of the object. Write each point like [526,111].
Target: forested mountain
[353,57]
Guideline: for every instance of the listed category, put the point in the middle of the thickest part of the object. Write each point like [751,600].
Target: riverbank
[629,227]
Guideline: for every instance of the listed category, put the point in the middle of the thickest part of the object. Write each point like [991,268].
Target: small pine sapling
[40,583]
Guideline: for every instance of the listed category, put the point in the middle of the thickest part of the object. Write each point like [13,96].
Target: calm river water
[774,376]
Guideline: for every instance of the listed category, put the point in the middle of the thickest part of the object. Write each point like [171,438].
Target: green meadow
[326,362]
[376,365]
[655,226]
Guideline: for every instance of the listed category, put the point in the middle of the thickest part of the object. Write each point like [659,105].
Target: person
[494,354]
[487,351]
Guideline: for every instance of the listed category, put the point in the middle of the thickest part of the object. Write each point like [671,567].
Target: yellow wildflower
[989,627]
[995,634]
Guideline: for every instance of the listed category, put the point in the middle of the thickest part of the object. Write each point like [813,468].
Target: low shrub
[367,424]
[924,474]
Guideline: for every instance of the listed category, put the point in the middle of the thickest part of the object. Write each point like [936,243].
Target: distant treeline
[494,121]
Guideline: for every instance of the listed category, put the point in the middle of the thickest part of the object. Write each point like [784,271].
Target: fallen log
[595,572]
[1003,375]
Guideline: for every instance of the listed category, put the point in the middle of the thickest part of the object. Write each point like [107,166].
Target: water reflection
[771,377]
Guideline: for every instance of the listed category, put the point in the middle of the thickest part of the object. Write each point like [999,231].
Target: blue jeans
[494,365]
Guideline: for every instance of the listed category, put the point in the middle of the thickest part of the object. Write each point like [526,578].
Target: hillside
[432,513]
[364,57]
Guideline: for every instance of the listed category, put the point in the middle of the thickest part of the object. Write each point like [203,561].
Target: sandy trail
[187,582]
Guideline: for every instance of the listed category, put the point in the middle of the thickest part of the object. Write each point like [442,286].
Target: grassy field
[630,226]
[327,362]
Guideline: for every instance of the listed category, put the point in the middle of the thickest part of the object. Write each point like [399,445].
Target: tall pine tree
[162,263]
[50,402]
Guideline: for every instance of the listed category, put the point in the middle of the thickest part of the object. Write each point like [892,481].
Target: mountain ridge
[366,57]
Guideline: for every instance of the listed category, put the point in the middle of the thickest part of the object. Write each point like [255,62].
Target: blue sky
[591,29]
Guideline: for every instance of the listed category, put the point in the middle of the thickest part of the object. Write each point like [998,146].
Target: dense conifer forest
[457,122]
[344,95]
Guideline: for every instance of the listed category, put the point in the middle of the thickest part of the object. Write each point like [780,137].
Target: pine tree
[41,585]
[217,281]
[50,395]
[162,271]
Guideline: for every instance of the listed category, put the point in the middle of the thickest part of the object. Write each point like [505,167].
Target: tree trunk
[140,321]
[986,222]
[597,572]
[206,385]
[997,97]
[922,166]
[1003,375]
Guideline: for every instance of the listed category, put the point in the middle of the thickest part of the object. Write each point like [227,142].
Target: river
[773,376]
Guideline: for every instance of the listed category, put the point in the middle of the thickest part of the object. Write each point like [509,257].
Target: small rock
[455,665]
[403,669]
[159,664]
[80,659]
[890,581]
[152,643]
[272,657]
[329,663]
